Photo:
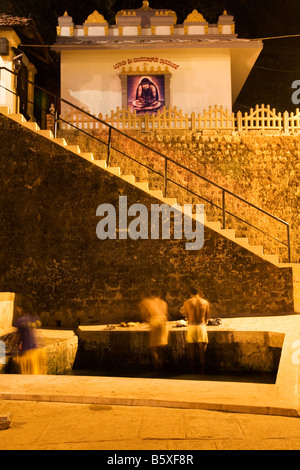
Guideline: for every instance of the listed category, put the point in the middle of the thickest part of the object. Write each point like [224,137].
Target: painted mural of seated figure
[146,96]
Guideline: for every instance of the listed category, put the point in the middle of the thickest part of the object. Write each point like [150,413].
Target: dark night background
[275,70]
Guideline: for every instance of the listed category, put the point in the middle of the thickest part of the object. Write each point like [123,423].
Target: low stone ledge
[228,350]
[60,347]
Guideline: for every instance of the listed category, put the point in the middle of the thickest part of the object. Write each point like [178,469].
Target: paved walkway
[127,413]
[63,426]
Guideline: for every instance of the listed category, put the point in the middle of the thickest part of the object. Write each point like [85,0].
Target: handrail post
[289,242]
[108,146]
[166,177]
[223,209]
[55,117]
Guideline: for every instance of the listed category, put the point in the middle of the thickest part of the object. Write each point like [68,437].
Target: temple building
[22,51]
[146,61]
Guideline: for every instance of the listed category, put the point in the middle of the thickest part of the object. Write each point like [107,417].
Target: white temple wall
[7,83]
[200,77]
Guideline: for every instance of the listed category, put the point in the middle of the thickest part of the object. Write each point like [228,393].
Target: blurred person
[154,311]
[30,357]
[196,310]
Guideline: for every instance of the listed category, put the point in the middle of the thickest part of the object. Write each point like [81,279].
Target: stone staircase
[146,187]
[265,231]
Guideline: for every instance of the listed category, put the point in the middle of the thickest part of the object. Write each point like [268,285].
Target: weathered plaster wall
[49,247]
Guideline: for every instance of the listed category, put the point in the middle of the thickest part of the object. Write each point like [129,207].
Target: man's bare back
[196,310]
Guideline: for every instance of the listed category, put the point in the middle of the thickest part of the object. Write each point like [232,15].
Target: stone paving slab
[65,426]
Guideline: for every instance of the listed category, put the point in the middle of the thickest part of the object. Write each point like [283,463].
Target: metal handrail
[167,160]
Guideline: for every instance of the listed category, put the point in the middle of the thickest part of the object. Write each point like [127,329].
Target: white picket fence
[261,118]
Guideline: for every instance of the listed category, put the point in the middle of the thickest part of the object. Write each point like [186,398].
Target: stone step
[156,193]
[172,201]
[60,141]
[242,241]
[4,110]
[271,258]
[32,125]
[18,118]
[129,178]
[47,133]
[115,170]
[144,185]
[258,249]
[88,156]
[100,163]
[229,233]
[213,225]
[73,148]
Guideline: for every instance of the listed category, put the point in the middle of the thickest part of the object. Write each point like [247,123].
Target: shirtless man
[196,310]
